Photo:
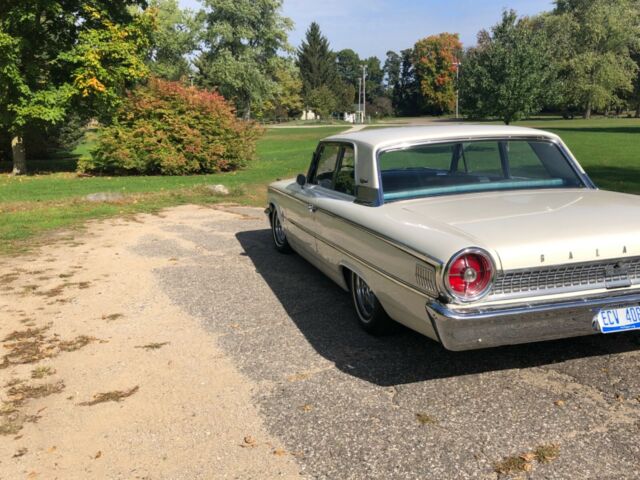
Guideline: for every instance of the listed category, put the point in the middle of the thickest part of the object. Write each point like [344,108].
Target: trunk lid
[538,228]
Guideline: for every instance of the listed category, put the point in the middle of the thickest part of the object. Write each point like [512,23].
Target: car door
[302,213]
[335,194]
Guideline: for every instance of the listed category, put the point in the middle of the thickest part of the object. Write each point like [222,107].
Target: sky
[372,27]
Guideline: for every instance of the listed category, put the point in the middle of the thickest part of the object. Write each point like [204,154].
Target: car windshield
[474,166]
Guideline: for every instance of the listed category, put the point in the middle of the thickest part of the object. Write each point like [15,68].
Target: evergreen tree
[317,66]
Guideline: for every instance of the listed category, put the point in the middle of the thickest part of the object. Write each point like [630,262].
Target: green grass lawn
[32,205]
[609,149]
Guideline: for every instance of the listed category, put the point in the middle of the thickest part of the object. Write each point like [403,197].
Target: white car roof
[376,138]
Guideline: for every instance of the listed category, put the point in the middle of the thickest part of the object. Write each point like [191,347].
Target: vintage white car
[475,236]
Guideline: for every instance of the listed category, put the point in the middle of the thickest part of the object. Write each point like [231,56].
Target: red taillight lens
[469,275]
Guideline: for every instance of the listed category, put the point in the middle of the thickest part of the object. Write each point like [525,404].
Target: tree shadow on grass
[323,313]
[620,179]
[64,162]
[630,129]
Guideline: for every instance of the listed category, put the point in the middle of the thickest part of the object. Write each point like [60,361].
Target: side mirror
[301,180]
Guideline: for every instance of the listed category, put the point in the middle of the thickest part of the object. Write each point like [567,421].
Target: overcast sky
[371,27]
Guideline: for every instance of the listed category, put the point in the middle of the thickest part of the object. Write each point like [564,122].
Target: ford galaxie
[475,236]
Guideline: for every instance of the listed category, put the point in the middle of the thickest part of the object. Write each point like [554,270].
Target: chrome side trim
[394,243]
[361,260]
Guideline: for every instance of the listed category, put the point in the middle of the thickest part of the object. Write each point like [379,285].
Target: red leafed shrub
[168,129]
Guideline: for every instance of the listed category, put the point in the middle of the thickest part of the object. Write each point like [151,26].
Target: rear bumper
[492,326]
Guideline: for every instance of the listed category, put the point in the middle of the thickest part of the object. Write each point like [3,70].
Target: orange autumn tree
[434,60]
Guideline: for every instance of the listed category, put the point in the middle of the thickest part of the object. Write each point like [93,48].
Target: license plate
[618,319]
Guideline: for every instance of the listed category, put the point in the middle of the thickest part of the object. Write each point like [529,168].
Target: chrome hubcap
[278,232]
[365,298]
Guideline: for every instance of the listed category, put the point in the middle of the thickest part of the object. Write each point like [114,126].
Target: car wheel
[277,232]
[371,316]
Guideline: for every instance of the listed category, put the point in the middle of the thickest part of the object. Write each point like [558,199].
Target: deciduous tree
[241,42]
[177,36]
[54,54]
[434,60]
[598,66]
[508,74]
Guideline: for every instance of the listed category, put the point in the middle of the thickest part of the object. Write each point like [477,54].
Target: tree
[349,67]
[435,60]
[375,76]
[176,37]
[287,96]
[322,101]
[597,66]
[406,98]
[317,64]
[391,69]
[242,39]
[508,74]
[635,94]
[56,54]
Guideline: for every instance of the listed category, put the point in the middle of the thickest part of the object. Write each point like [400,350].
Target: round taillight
[469,275]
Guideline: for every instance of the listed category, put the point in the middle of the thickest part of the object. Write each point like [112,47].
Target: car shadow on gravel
[322,311]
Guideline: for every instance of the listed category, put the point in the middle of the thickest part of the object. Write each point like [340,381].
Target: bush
[169,129]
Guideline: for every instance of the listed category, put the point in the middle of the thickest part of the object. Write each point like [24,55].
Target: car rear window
[474,166]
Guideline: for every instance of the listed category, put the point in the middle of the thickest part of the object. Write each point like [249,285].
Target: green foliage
[508,74]
[57,54]
[348,67]
[322,101]
[435,60]
[595,40]
[406,96]
[316,62]
[375,75]
[176,36]
[392,67]
[169,129]
[286,100]
[242,39]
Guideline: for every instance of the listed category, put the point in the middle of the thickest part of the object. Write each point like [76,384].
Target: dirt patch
[170,412]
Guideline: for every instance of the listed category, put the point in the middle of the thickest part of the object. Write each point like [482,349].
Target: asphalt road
[352,406]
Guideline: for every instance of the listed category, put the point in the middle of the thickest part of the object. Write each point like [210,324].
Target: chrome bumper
[492,326]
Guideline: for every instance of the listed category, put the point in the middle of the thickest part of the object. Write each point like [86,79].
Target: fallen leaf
[97,455]
[20,452]
[52,449]
[279,452]
[249,442]
[306,408]
[559,403]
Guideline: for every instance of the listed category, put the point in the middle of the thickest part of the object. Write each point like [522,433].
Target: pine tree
[316,62]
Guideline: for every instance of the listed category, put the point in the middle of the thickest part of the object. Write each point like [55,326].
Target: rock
[218,189]
[104,197]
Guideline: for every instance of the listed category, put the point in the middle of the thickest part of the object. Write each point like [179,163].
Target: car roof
[384,137]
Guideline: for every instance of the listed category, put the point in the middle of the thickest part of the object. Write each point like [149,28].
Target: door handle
[311,208]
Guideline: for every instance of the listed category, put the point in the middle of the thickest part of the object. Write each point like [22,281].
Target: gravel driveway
[352,406]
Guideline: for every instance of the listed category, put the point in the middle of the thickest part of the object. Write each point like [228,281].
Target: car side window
[345,179]
[482,158]
[326,167]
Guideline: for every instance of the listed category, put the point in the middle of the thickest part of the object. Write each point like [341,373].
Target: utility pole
[457,89]
[364,93]
[360,100]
